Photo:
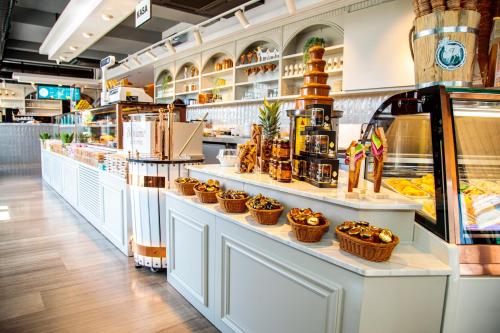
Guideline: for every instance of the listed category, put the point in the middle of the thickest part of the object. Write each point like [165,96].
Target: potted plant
[314,47]
[66,138]
[164,84]
[269,117]
[44,136]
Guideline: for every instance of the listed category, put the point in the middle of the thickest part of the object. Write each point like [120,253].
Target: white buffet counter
[246,277]
[102,198]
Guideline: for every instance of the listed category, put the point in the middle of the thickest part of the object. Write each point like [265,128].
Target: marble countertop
[393,201]
[406,260]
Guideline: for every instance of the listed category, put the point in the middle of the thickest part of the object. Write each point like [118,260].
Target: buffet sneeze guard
[444,153]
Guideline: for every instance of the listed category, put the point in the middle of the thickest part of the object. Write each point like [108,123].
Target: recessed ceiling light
[73,48]
[107,17]
[87,34]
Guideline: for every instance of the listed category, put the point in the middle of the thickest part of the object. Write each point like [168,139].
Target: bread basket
[263,216]
[206,197]
[232,205]
[185,188]
[370,251]
[308,233]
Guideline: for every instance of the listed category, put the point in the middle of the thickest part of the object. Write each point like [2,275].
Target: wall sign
[142,12]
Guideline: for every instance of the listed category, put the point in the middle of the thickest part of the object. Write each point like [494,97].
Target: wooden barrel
[444,45]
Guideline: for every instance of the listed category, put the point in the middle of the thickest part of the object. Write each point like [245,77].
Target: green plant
[312,41]
[166,80]
[44,136]
[67,137]
[269,117]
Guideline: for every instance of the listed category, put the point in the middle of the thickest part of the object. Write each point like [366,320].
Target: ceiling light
[73,48]
[87,34]
[197,37]
[169,46]
[127,67]
[151,55]
[107,17]
[290,4]
[242,18]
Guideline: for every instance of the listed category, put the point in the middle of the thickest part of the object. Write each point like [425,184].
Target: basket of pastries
[264,210]
[366,241]
[232,201]
[307,225]
[185,185]
[206,192]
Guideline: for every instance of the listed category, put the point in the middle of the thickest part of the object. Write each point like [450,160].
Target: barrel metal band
[433,31]
[150,251]
[444,83]
[146,181]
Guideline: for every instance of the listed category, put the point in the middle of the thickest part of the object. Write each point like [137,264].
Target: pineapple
[269,117]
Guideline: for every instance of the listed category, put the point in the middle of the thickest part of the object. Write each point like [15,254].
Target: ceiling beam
[176,15]
[34,17]
[124,32]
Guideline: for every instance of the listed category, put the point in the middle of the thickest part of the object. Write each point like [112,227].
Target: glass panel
[409,166]
[98,127]
[477,136]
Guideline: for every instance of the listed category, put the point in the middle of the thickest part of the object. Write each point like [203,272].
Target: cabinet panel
[70,183]
[113,208]
[56,174]
[189,254]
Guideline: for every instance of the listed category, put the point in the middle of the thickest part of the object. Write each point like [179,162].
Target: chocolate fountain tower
[315,89]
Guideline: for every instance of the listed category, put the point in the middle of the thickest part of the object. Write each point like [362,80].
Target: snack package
[247,157]
[379,151]
[355,154]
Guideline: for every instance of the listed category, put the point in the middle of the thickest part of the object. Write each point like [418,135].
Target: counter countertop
[406,260]
[332,195]
[225,139]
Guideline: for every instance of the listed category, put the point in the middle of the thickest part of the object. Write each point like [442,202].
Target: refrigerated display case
[103,126]
[443,151]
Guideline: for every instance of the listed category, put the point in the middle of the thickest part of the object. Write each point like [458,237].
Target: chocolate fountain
[315,89]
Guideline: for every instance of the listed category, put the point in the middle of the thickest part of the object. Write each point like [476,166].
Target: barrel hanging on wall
[444,45]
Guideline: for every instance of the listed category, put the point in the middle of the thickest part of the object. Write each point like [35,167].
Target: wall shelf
[254,64]
[216,73]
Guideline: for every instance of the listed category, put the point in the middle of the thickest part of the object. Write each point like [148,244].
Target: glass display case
[103,126]
[443,152]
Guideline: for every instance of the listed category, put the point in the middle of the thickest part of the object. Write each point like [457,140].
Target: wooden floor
[58,274]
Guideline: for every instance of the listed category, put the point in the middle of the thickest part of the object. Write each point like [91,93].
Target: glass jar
[324,173]
[284,171]
[317,116]
[299,167]
[283,149]
[274,151]
[272,168]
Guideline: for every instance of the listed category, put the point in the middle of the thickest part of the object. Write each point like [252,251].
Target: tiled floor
[59,274]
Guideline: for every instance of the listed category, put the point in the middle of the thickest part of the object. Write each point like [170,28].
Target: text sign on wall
[142,12]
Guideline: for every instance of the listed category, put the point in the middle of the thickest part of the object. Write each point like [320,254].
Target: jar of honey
[274,151]
[272,168]
[284,171]
[283,149]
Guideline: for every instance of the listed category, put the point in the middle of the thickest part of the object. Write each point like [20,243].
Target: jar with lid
[324,173]
[284,171]
[283,149]
[272,168]
[274,151]
[317,116]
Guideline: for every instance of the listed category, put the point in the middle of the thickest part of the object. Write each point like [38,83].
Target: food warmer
[443,151]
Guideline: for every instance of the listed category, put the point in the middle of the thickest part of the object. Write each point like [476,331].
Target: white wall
[376,48]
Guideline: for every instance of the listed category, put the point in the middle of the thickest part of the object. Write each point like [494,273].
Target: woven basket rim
[194,188]
[219,197]
[365,243]
[196,182]
[305,226]
[265,210]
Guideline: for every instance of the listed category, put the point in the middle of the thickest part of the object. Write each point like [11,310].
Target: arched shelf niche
[164,86]
[293,66]
[217,76]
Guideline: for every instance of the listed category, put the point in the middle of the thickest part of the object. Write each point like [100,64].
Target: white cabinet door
[89,194]
[259,291]
[56,174]
[70,182]
[45,166]
[190,240]
[113,211]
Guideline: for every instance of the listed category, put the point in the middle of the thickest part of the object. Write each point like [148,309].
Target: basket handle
[410,42]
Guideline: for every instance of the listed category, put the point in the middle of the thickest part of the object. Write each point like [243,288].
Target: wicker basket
[267,217]
[308,233]
[185,188]
[206,197]
[370,251]
[233,205]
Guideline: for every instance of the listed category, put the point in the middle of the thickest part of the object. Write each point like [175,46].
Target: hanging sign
[142,12]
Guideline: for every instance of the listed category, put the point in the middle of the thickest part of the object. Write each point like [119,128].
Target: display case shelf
[254,64]
[328,50]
